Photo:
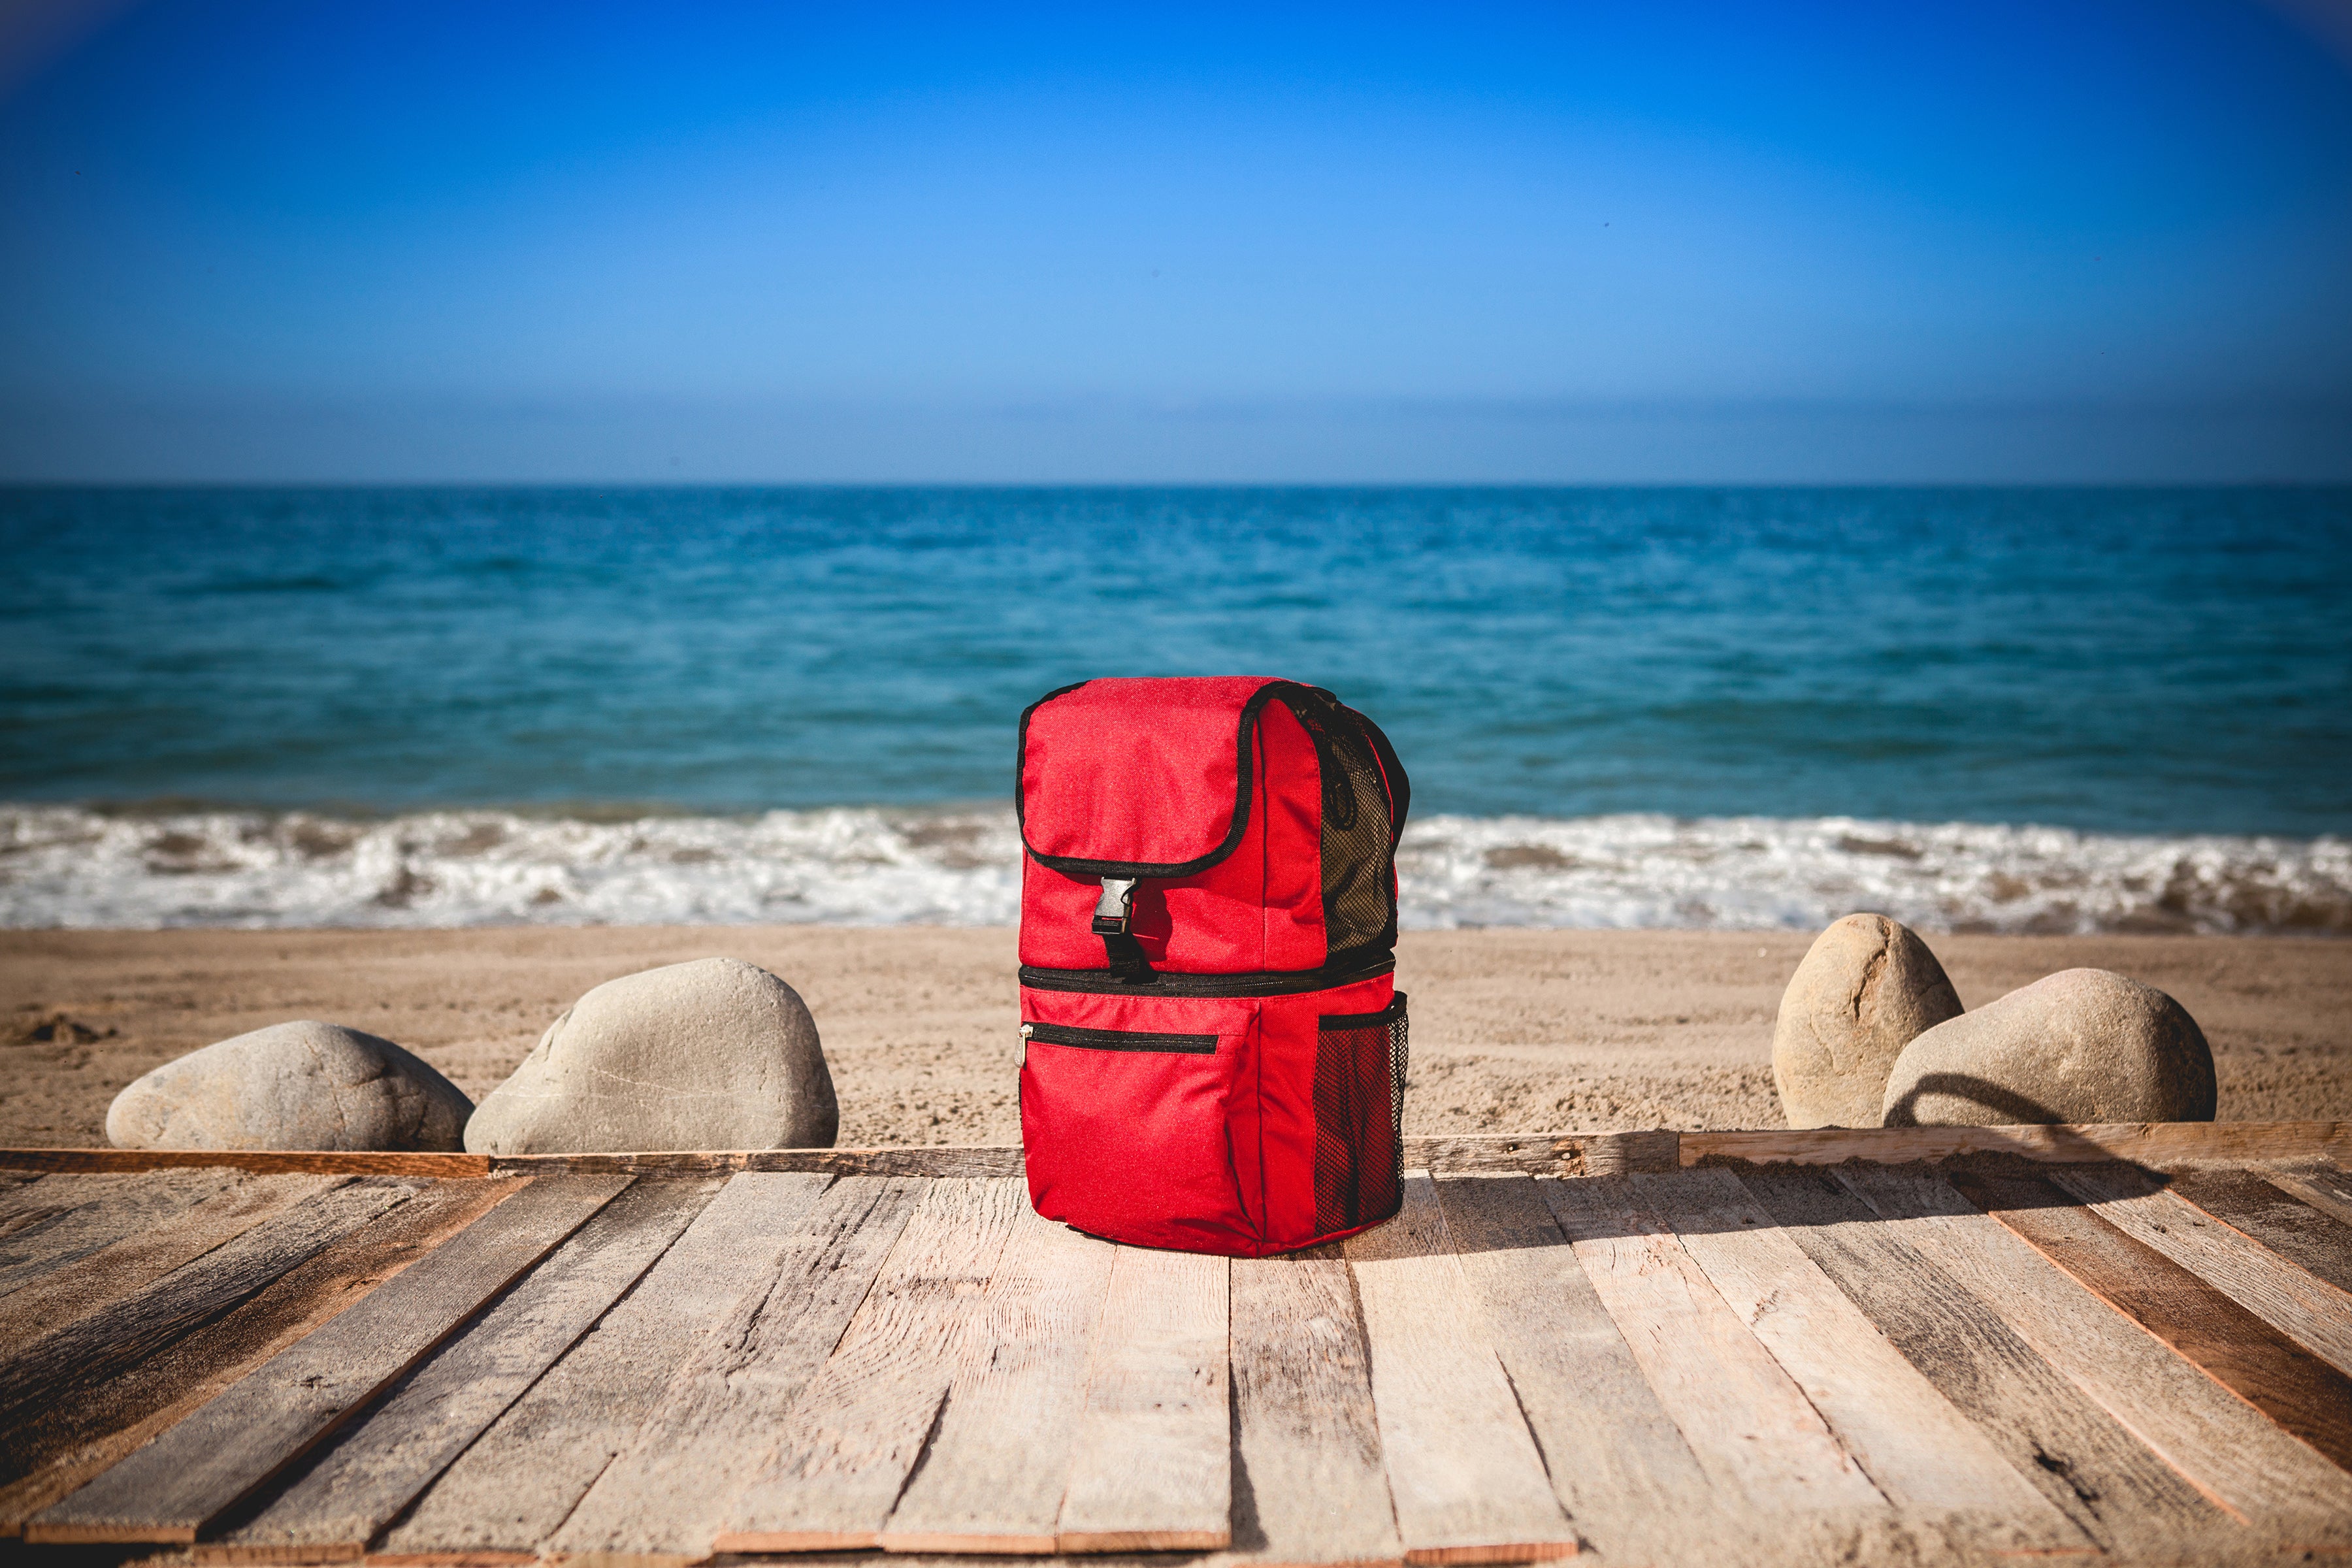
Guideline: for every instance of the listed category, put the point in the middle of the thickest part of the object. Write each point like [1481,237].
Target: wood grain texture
[1308,1482]
[72,1440]
[47,1304]
[169,1491]
[1539,1153]
[2310,1310]
[515,1485]
[853,1438]
[75,1216]
[974,1161]
[63,1367]
[360,1479]
[2163,1144]
[2156,1143]
[2227,1447]
[993,1475]
[1617,1461]
[1544,1154]
[670,1491]
[1750,1427]
[2238,1349]
[257,1162]
[2329,1192]
[1464,1471]
[2055,1435]
[2313,1240]
[1923,1456]
[1152,1462]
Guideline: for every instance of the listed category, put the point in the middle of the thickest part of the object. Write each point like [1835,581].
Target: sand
[1512,1030]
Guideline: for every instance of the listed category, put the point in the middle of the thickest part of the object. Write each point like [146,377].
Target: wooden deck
[2127,1343]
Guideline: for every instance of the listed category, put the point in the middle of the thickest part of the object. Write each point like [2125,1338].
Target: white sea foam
[72,867]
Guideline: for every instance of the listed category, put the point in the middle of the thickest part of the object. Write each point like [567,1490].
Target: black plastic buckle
[1115,912]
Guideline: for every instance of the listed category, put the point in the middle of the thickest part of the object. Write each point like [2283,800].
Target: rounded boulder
[1867,987]
[2080,1046]
[715,1054]
[304,1085]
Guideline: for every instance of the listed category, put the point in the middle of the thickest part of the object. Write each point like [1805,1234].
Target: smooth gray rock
[2081,1044]
[1867,986]
[715,1054]
[303,1085]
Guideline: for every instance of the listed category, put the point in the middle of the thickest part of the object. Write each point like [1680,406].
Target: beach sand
[1512,1030]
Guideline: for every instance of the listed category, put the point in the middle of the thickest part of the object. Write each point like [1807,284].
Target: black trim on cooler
[1269,982]
[1119,1039]
[1073,866]
[1380,1020]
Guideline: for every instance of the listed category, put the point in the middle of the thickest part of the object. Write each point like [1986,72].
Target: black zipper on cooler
[1160,982]
[1120,1040]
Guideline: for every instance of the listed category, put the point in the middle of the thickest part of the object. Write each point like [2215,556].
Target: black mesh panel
[1359,1069]
[1359,897]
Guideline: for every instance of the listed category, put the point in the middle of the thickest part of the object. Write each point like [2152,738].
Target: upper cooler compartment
[1141,777]
[1205,826]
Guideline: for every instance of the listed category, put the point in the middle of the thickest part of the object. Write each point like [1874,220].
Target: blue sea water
[196,678]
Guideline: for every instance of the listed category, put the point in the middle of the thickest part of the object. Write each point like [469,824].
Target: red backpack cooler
[1212,1046]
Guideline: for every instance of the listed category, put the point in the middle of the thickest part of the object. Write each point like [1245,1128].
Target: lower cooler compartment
[1236,1125]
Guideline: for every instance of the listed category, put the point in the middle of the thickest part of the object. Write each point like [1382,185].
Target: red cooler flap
[1141,777]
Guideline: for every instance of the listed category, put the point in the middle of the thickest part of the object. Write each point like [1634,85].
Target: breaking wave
[79,866]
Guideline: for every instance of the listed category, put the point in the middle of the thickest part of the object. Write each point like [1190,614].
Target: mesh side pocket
[1359,1068]
[1357,910]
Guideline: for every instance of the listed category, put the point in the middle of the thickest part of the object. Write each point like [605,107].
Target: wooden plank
[360,1480]
[2310,1310]
[81,1215]
[1152,1468]
[2227,1447]
[2236,1347]
[1544,1154]
[1308,1484]
[853,1436]
[950,1160]
[2055,1436]
[516,1484]
[72,1440]
[1532,1153]
[253,1161]
[44,1305]
[1750,1427]
[20,1205]
[1539,1153]
[1928,1459]
[992,1477]
[187,1477]
[2146,1142]
[60,1367]
[2306,1236]
[2329,1192]
[1617,1461]
[1468,1483]
[670,1491]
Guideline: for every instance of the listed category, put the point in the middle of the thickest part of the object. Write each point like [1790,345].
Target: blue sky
[1777,242]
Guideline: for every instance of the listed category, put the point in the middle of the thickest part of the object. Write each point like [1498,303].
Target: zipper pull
[1115,911]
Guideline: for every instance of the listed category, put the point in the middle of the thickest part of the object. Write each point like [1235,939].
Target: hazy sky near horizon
[1991,240]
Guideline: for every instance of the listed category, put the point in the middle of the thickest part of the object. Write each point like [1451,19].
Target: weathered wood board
[1676,1349]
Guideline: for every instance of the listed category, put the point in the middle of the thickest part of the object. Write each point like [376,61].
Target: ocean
[1981,710]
